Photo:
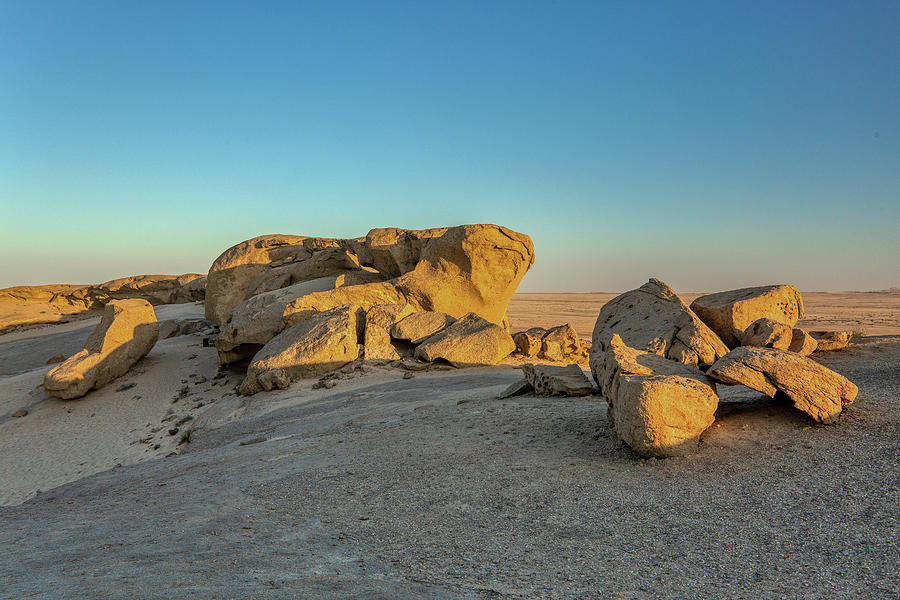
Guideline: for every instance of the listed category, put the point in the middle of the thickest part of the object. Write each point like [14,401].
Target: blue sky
[711,144]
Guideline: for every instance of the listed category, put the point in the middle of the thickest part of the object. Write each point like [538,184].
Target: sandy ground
[430,487]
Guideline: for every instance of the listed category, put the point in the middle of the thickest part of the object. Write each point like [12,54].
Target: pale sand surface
[872,312]
[431,488]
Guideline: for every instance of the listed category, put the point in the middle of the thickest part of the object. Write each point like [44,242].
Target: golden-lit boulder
[318,345]
[766,333]
[831,340]
[802,342]
[654,319]
[730,313]
[127,332]
[814,389]
[377,338]
[659,407]
[468,342]
[456,270]
[420,325]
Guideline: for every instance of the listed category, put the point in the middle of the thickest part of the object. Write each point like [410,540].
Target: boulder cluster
[658,361]
[291,307]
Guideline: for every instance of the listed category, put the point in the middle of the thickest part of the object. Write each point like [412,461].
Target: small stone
[125,386]
[517,388]
[20,413]
[408,375]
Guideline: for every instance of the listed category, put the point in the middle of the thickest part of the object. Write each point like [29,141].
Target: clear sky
[711,144]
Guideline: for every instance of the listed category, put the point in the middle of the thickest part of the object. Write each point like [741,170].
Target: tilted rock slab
[470,341]
[554,380]
[802,343]
[377,337]
[730,313]
[655,319]
[418,326]
[318,345]
[814,389]
[766,333]
[456,270]
[127,331]
[658,407]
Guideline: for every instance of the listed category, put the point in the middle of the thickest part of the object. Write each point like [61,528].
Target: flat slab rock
[553,380]
[814,389]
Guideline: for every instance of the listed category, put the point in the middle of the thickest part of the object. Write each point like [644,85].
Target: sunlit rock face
[453,270]
[730,313]
[127,332]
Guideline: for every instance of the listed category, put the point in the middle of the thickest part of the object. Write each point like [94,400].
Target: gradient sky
[711,144]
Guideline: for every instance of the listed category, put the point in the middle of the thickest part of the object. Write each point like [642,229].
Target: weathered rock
[659,407]
[377,337]
[528,342]
[562,343]
[831,340]
[814,389]
[420,325]
[802,343]
[766,333]
[730,313]
[126,333]
[471,268]
[320,344]
[20,413]
[176,327]
[56,358]
[470,341]
[654,318]
[516,388]
[552,380]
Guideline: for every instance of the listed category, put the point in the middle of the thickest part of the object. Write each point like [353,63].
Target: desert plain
[167,483]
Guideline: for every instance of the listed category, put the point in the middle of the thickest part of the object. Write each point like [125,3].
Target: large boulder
[457,270]
[766,333]
[418,326]
[553,380]
[318,345]
[470,341]
[377,338]
[659,407]
[127,332]
[814,389]
[653,318]
[730,313]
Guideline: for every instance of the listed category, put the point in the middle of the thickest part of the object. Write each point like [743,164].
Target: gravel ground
[431,488]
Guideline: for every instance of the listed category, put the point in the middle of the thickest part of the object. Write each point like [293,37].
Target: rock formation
[730,313]
[659,407]
[553,380]
[814,389]
[470,341]
[127,332]
[558,344]
[419,326]
[456,270]
[377,337]
[318,345]
[655,319]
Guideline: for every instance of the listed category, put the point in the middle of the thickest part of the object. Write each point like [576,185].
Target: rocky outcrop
[377,337]
[766,333]
[659,407]
[653,318]
[557,344]
[127,332]
[814,389]
[553,380]
[470,341]
[802,343]
[457,270]
[420,325]
[831,340]
[318,345]
[186,326]
[730,313]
